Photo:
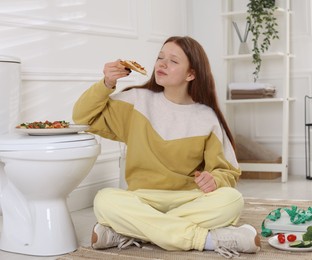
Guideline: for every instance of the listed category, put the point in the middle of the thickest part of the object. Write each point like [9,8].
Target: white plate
[273,241]
[53,131]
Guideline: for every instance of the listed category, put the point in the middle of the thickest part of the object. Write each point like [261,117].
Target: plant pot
[243,48]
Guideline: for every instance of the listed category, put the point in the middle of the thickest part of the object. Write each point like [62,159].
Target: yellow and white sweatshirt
[166,142]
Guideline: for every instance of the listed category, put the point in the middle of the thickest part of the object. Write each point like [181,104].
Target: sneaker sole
[94,237]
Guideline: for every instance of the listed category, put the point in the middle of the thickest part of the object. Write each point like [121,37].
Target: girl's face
[172,68]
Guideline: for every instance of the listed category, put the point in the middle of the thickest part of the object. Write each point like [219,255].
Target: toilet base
[52,233]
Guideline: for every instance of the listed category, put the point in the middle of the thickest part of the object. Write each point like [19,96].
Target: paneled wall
[301,73]
[63,46]
[266,130]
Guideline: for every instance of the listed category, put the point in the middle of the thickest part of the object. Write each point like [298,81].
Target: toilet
[39,173]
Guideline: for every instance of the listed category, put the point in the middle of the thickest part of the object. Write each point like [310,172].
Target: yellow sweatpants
[173,220]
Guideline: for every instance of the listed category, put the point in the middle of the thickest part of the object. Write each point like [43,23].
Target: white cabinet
[239,68]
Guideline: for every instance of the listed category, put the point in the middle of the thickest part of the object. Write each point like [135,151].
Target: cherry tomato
[291,237]
[281,238]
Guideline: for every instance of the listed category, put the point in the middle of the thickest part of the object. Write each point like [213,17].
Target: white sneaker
[231,240]
[105,237]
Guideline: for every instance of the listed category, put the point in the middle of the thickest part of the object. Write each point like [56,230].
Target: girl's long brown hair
[202,89]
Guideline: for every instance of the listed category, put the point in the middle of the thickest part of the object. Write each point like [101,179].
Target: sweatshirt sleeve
[221,162]
[95,108]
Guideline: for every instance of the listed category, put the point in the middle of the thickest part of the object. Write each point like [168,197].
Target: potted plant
[263,28]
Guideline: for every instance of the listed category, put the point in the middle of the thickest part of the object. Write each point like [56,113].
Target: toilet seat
[18,142]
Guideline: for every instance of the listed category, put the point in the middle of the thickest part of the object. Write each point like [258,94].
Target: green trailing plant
[263,28]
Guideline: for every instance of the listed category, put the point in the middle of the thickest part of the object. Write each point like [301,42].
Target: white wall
[63,45]
[207,27]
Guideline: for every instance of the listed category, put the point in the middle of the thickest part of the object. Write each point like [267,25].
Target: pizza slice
[133,65]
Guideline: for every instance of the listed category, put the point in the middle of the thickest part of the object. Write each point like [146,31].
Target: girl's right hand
[113,71]
[205,181]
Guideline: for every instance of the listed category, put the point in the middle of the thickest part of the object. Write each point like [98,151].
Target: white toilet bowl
[39,173]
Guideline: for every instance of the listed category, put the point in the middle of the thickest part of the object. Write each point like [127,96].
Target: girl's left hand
[205,181]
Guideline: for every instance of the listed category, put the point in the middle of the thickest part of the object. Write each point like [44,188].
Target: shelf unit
[307,133]
[282,56]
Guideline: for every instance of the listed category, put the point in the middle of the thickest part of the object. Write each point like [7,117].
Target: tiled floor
[297,188]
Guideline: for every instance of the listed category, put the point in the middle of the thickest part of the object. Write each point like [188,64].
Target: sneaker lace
[126,242]
[226,252]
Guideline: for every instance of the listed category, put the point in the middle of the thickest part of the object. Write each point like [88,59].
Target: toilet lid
[17,142]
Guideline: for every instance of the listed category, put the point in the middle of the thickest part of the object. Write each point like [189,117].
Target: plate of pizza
[50,128]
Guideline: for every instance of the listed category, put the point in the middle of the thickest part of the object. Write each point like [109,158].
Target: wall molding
[108,156]
[306,22]
[22,21]
[82,197]
[302,74]
[159,36]
[39,74]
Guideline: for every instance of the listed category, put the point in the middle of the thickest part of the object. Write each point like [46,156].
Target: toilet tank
[10,81]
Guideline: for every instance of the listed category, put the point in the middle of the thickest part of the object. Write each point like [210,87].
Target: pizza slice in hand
[133,65]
